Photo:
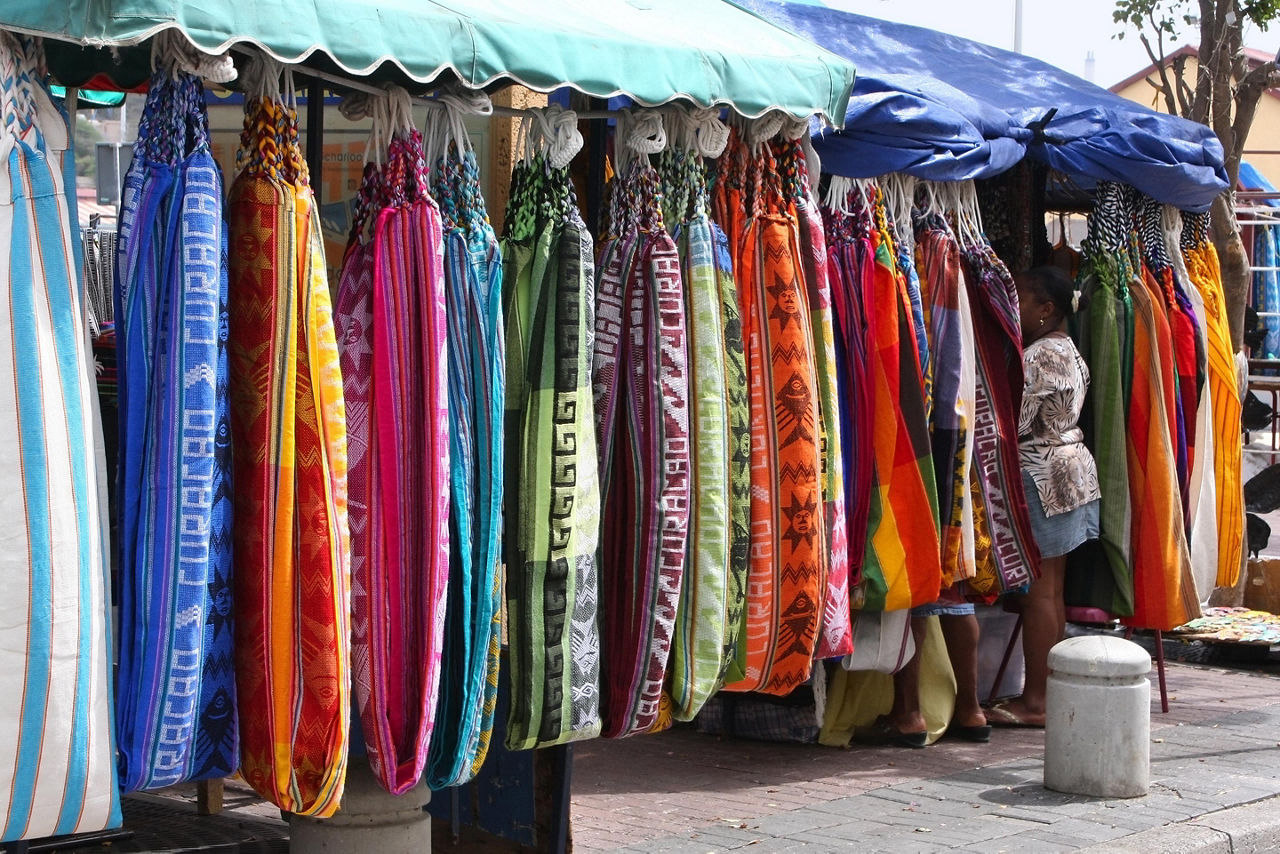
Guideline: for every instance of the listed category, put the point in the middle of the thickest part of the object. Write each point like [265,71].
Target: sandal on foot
[1000,715]
[977,734]
[884,732]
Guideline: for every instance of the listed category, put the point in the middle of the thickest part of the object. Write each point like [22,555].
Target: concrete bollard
[1097,731]
[369,820]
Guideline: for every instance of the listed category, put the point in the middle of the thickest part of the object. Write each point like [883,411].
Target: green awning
[88,99]
[706,51]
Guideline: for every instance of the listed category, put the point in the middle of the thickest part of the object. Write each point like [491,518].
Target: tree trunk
[1235,265]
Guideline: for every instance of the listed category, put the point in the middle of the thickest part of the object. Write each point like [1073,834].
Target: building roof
[1252,55]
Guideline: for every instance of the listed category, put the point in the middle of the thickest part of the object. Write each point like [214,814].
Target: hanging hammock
[640,378]
[1006,557]
[477,378]
[391,314]
[787,580]
[58,753]
[952,381]
[293,673]
[175,697]
[901,567]
[712,594]
[1202,265]
[553,511]
[835,636]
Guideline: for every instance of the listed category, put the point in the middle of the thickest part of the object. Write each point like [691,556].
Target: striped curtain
[174,453]
[288,424]
[57,747]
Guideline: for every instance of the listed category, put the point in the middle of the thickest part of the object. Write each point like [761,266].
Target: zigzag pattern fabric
[709,613]
[57,747]
[292,640]
[477,380]
[787,580]
[175,692]
[641,389]
[553,514]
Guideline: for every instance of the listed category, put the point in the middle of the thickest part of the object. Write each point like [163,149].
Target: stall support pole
[315,137]
[368,820]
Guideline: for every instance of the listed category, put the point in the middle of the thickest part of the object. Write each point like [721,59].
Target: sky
[1061,32]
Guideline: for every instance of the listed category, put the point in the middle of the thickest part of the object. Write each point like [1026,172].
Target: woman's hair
[1052,284]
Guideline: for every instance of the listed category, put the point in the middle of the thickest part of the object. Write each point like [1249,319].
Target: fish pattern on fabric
[57,745]
[288,419]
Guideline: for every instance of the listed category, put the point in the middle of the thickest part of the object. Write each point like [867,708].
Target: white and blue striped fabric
[57,756]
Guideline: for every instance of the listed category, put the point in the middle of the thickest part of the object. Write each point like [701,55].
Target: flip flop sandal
[999,715]
[884,732]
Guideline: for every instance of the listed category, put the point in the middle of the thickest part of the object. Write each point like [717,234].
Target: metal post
[315,137]
[1017,26]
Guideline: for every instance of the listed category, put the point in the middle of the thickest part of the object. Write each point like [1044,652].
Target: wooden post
[209,797]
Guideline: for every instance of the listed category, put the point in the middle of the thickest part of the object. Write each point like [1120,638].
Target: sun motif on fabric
[801,525]
[787,302]
[794,410]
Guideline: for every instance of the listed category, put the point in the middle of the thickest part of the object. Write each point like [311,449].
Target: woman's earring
[1042,321]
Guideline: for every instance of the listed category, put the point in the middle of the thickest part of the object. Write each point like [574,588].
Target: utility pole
[1017,26]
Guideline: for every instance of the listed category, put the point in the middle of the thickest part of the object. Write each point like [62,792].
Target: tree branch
[1185,93]
[1165,87]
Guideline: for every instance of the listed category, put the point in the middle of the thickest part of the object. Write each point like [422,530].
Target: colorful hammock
[642,416]
[175,712]
[1202,264]
[787,579]
[835,636]
[902,564]
[1007,558]
[293,674]
[952,381]
[58,751]
[392,317]
[553,513]
[477,380]
[712,595]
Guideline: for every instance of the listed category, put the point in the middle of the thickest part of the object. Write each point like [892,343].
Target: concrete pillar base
[369,821]
[1097,731]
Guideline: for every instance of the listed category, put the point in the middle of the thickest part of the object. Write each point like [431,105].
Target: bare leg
[961,633]
[1043,624]
[905,715]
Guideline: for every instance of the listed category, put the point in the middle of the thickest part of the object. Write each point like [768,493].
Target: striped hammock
[1202,264]
[288,423]
[57,747]
[175,695]
[641,390]
[553,511]
[712,595]
[477,379]
[787,582]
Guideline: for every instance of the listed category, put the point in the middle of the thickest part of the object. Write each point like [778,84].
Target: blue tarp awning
[956,108]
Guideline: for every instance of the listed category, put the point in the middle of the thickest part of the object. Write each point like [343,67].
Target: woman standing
[1058,474]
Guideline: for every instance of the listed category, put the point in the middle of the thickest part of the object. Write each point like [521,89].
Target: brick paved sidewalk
[1218,747]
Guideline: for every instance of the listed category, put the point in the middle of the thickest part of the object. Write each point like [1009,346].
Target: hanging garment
[640,379]
[175,694]
[1010,559]
[709,613]
[553,511]
[57,747]
[288,422]
[1104,277]
[477,380]
[835,637]
[1202,265]
[952,380]
[1266,287]
[787,580]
